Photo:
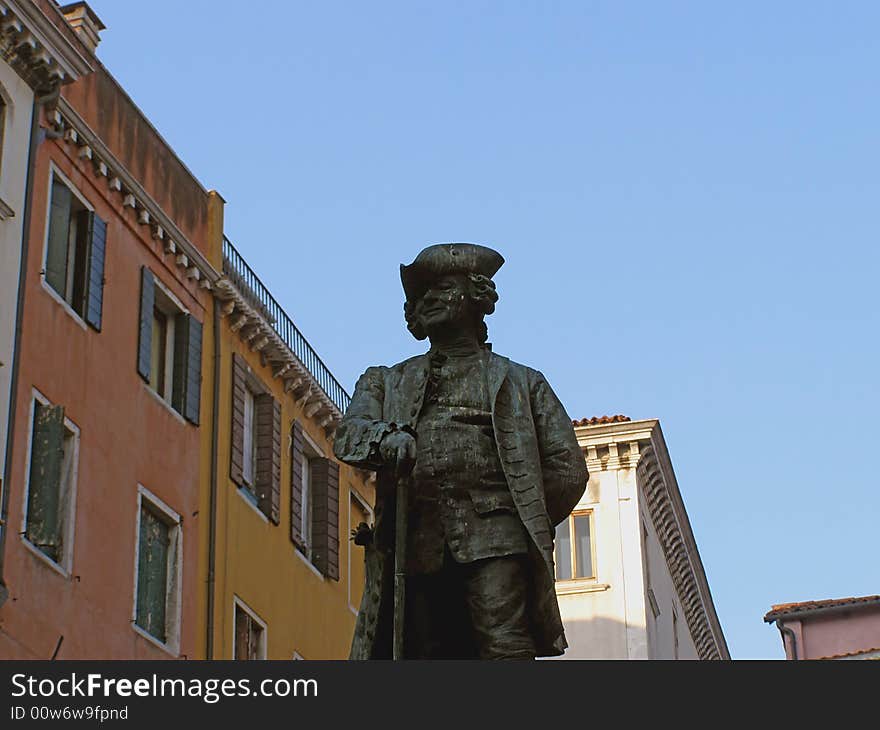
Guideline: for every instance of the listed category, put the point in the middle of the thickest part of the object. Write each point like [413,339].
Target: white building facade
[630,581]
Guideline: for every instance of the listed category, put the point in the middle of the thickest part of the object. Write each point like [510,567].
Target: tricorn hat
[447,258]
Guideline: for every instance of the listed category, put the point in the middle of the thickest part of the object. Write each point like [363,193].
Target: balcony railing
[250,286]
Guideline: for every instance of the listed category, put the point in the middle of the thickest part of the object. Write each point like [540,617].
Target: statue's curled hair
[482,293]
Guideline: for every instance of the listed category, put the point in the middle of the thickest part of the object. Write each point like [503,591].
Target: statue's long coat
[544,466]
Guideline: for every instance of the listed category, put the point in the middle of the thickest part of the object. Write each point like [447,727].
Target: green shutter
[145,329]
[82,244]
[59,232]
[43,527]
[152,574]
[95,275]
[181,345]
[193,372]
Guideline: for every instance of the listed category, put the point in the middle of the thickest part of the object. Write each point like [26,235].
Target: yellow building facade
[282,579]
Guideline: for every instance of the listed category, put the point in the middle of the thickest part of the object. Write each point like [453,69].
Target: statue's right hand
[398,450]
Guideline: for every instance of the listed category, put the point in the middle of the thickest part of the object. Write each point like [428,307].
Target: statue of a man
[492,464]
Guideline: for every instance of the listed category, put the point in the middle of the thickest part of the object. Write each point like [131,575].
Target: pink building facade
[840,628]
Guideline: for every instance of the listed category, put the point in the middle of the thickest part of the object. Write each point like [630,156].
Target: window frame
[174,579]
[54,172]
[65,566]
[590,513]
[237,604]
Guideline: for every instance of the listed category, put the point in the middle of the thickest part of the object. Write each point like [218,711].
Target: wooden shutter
[269,456]
[296,486]
[325,516]
[152,574]
[59,232]
[236,454]
[193,372]
[145,330]
[95,276]
[178,377]
[44,487]
[79,281]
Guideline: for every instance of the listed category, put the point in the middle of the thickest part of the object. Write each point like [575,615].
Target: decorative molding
[189,259]
[37,49]
[256,330]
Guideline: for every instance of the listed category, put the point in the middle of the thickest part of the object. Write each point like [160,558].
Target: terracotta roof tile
[853,653]
[597,420]
[785,609]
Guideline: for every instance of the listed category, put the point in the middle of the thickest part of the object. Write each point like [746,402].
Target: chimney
[83,20]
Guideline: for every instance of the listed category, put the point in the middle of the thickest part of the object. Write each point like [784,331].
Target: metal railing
[250,286]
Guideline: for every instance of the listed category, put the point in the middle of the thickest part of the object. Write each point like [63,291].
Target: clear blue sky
[686,195]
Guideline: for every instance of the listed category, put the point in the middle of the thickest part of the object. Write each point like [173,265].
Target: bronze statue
[488,463]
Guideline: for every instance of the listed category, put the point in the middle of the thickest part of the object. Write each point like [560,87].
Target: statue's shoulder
[410,362]
[378,374]
[515,368]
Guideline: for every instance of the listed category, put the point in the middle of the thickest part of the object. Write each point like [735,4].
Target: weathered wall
[128,436]
[108,110]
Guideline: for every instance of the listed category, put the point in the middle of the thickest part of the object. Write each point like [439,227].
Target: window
[169,348]
[157,586]
[314,504]
[75,246]
[255,456]
[250,634]
[51,483]
[5,211]
[358,512]
[574,547]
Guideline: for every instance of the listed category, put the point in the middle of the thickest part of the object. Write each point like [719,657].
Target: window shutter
[269,457]
[236,456]
[181,344]
[145,331]
[44,488]
[59,231]
[325,517]
[296,485]
[152,574]
[193,371]
[95,276]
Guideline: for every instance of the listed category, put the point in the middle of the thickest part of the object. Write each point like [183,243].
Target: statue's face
[447,305]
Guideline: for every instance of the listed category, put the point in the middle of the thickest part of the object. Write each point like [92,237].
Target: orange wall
[127,437]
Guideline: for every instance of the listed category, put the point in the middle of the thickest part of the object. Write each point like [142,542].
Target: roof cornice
[794,613]
[89,146]
[640,445]
[254,326]
[37,49]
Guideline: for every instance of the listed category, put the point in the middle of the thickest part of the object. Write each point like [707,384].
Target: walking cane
[400,567]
